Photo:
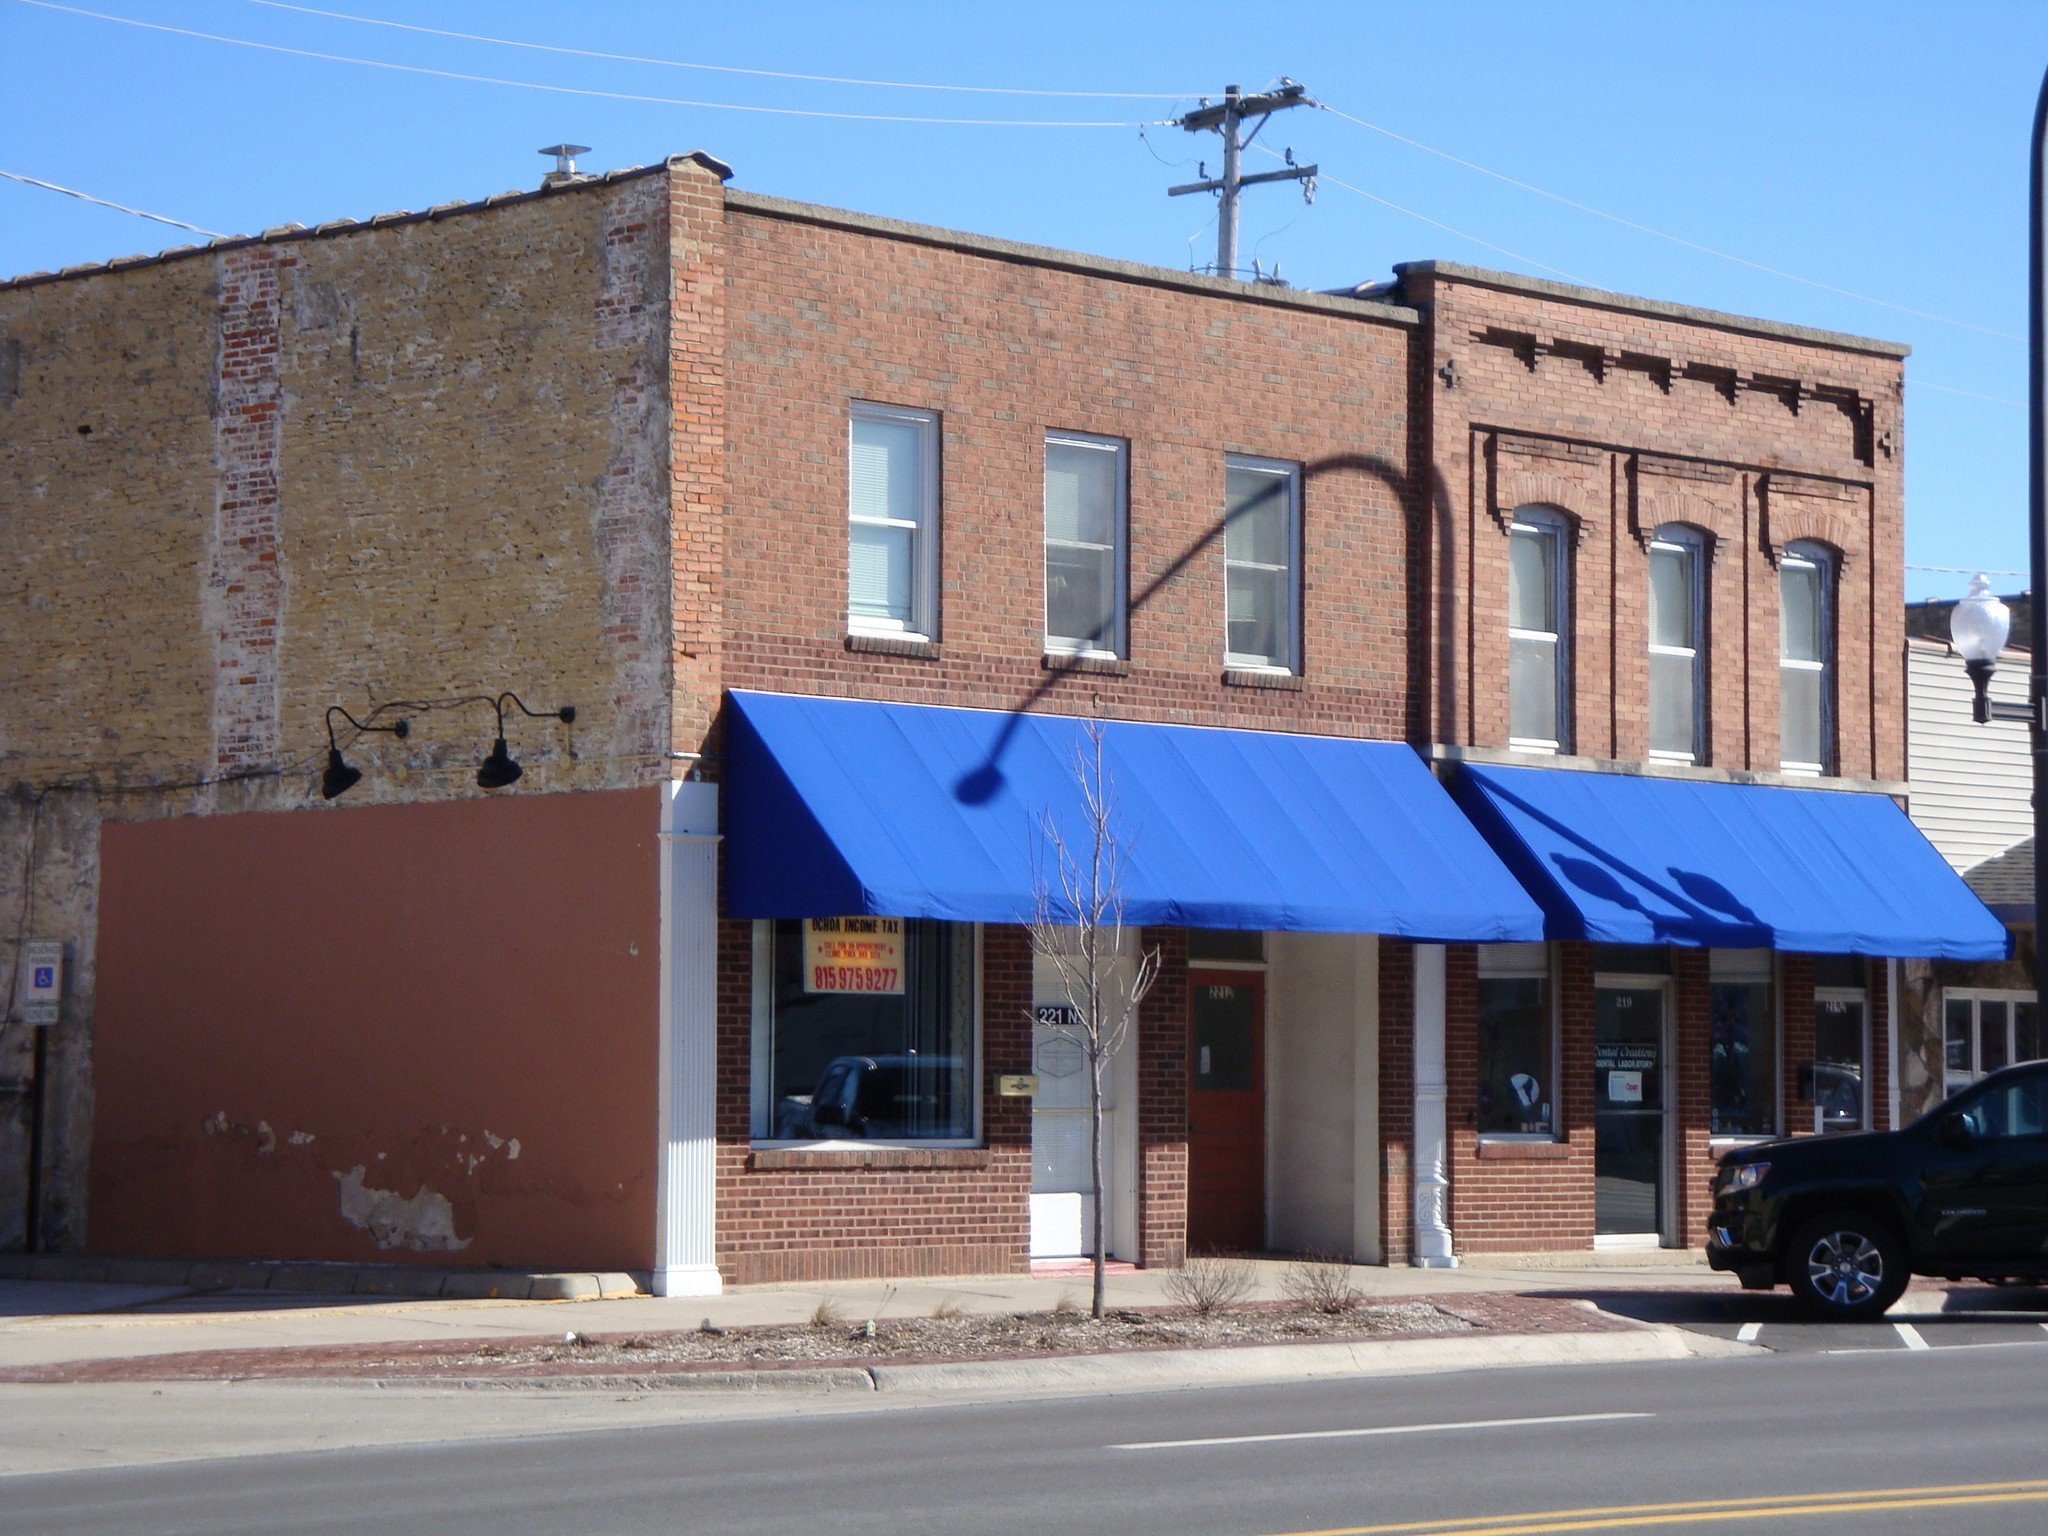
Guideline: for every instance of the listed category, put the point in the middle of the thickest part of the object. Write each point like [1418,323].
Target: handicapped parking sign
[44,963]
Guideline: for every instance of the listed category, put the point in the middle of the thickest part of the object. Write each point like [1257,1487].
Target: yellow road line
[1699,1511]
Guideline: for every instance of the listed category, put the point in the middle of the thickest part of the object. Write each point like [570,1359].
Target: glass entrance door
[1628,1111]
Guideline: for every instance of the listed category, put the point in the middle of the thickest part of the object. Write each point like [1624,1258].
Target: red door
[1226,1111]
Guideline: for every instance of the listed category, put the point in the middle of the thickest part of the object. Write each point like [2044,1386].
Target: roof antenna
[565,164]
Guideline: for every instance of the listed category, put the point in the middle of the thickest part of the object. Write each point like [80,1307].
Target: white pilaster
[684,1253]
[1365,1101]
[1433,1249]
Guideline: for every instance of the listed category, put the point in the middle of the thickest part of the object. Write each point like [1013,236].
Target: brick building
[746,481]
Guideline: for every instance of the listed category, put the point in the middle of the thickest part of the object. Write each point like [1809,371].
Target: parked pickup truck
[1846,1220]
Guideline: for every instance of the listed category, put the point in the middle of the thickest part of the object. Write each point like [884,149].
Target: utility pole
[1227,119]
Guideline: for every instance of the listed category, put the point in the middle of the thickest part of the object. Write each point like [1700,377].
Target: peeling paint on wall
[424,1223]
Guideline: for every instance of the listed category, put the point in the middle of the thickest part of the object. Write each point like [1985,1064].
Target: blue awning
[835,808]
[1623,859]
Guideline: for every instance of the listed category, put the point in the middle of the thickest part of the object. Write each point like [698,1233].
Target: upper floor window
[1677,651]
[1538,700]
[1084,544]
[1261,568]
[1805,659]
[893,514]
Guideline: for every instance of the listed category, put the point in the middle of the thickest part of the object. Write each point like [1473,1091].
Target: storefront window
[1743,1041]
[1516,1035]
[869,1032]
[1983,1031]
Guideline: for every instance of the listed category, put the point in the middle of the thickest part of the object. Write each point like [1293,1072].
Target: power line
[571,90]
[722,69]
[1499,250]
[101,202]
[1691,245]
[1967,394]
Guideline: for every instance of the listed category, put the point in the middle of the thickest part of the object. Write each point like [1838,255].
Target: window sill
[841,1155]
[1077,661]
[1255,677]
[1517,1150]
[894,645]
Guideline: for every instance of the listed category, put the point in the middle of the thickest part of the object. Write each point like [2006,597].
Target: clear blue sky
[1875,148]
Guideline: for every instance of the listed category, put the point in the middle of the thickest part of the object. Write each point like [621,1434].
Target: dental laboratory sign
[853,954]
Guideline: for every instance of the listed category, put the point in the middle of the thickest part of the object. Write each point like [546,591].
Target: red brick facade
[1419,430]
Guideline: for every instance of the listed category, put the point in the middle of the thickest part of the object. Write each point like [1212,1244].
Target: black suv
[1845,1220]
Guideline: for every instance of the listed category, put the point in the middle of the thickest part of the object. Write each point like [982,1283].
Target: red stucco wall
[287,998]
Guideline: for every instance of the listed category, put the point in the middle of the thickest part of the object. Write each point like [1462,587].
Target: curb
[1249,1365]
[421,1281]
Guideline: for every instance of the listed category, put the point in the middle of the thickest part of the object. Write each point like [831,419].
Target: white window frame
[1067,645]
[1544,523]
[1811,557]
[924,545]
[1976,997]
[1522,962]
[1678,538]
[761,1044]
[1290,664]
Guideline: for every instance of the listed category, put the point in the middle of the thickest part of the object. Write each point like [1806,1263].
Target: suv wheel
[1846,1265]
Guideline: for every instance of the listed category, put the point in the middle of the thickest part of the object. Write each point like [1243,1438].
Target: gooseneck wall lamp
[340,776]
[501,768]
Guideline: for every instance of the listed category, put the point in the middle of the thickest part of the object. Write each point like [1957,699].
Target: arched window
[1678,650]
[1539,666]
[1806,659]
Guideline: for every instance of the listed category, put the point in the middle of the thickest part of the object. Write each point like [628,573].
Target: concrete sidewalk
[78,1422]
[46,1323]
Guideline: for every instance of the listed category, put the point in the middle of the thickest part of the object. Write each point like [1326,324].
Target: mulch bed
[832,1341]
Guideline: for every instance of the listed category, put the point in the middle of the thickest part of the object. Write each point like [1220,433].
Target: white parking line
[1383,1429]
[1747,1333]
[1910,1336]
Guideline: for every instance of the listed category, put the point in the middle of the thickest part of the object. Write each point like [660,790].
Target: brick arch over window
[1570,478]
[1799,511]
[1705,496]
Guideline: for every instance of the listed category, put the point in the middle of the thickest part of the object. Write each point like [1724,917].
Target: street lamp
[1977,627]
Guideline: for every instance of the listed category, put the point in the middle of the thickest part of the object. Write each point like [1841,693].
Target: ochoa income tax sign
[853,954]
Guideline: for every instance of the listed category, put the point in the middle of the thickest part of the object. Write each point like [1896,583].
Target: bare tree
[1078,925]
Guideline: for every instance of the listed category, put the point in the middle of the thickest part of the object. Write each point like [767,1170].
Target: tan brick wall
[414,461]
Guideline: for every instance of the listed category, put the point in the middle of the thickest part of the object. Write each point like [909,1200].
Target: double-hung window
[1517,1042]
[1538,700]
[1261,565]
[1084,545]
[1677,653]
[892,514]
[1805,659]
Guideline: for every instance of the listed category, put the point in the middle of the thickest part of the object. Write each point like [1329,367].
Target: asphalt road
[1885,1441]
